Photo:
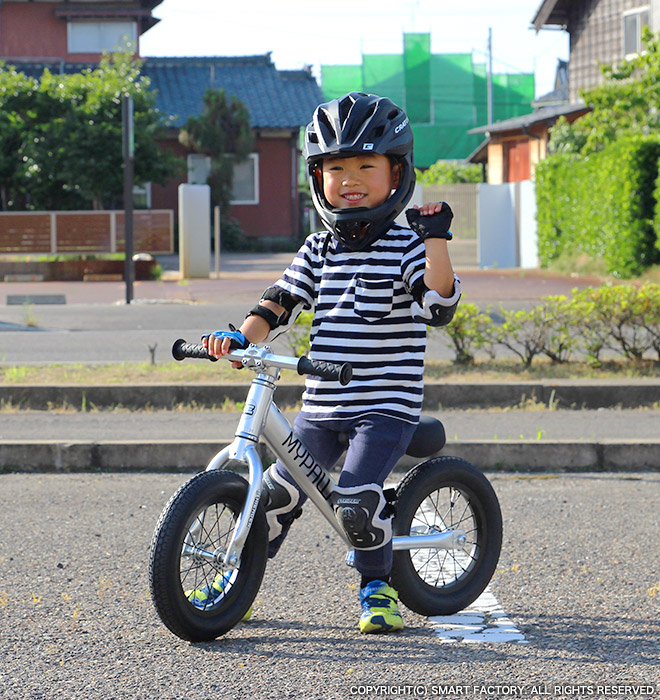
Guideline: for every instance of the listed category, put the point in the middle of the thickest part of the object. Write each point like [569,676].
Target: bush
[622,318]
[298,335]
[603,205]
[470,330]
[447,172]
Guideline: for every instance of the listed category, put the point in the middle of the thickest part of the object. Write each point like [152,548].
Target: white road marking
[483,621]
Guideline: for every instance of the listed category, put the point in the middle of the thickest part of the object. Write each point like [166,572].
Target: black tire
[440,494]
[204,511]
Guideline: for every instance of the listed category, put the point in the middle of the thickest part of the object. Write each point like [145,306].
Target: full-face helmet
[352,125]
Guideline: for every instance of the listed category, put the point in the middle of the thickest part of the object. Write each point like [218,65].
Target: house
[601,32]
[72,36]
[79,31]
[266,200]
[513,147]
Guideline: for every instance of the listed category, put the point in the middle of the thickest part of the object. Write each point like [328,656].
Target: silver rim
[445,509]
[204,547]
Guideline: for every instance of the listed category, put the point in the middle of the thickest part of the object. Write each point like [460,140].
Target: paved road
[578,576]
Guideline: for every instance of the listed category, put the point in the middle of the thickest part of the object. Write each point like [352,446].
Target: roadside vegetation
[606,332]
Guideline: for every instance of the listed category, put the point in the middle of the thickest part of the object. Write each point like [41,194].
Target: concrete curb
[193,456]
[585,394]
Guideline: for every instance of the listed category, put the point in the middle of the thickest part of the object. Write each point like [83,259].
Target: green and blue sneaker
[380,612]
[206,597]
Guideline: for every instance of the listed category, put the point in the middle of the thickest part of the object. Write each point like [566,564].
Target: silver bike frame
[262,419]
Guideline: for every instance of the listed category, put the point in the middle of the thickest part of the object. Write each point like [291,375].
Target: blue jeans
[375,445]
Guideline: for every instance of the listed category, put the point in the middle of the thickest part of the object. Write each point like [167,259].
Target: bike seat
[428,438]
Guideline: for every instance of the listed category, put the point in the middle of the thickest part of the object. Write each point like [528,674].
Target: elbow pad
[435,310]
[293,306]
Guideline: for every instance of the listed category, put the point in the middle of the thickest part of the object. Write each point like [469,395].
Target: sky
[300,33]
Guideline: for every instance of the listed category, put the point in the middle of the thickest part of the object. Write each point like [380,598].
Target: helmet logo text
[368,147]
[401,126]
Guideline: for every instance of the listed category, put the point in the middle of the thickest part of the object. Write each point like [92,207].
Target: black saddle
[428,438]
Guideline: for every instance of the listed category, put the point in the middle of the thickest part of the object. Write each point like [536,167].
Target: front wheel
[446,493]
[196,597]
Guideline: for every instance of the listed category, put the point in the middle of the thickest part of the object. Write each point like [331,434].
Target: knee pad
[363,514]
[282,503]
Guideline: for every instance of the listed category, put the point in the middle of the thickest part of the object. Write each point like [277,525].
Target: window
[142,196]
[632,30]
[96,37]
[246,181]
[199,168]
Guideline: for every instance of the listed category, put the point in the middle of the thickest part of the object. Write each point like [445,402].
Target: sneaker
[380,612]
[206,597]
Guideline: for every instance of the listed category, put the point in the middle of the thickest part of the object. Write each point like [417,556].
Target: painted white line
[483,621]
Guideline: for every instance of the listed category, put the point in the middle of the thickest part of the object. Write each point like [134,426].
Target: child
[374,286]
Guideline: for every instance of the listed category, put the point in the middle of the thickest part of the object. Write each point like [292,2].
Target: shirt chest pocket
[373,298]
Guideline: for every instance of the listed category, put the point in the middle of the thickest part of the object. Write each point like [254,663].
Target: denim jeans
[375,444]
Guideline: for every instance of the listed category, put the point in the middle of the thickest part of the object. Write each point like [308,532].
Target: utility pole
[490,75]
[128,143]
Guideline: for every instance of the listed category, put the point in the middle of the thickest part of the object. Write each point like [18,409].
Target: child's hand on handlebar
[220,343]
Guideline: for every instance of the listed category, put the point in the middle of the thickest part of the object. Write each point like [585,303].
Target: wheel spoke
[447,508]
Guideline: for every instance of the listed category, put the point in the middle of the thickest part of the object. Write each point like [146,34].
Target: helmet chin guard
[359,124]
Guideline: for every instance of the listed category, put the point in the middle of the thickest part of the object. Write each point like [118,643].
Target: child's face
[358,181]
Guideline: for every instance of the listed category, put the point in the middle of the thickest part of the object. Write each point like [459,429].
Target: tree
[627,101]
[445,172]
[16,91]
[67,130]
[222,132]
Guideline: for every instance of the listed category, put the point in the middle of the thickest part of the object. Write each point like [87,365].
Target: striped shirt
[362,315]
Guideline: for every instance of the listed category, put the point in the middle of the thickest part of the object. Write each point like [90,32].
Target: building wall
[276,214]
[31,30]
[596,31]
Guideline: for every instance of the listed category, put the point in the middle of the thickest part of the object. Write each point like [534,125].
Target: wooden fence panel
[72,232]
[152,231]
[83,232]
[25,233]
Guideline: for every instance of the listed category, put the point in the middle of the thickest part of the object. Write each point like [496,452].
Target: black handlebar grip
[327,370]
[181,349]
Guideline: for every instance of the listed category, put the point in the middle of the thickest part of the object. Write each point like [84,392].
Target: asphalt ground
[579,577]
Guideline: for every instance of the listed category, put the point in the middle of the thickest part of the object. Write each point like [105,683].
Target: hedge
[604,205]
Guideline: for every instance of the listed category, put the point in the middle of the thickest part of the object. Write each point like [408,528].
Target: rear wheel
[187,553]
[446,493]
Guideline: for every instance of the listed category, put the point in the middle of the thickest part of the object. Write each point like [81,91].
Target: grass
[221,373]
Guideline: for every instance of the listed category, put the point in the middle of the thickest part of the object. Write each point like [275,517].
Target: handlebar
[261,358]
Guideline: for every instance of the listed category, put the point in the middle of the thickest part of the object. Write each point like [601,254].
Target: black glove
[433,226]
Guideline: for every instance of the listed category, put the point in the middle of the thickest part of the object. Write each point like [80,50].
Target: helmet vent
[345,109]
[325,120]
[378,131]
[312,137]
[394,113]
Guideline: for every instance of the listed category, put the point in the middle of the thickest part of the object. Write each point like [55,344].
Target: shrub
[602,205]
[523,333]
[560,324]
[470,330]
[298,334]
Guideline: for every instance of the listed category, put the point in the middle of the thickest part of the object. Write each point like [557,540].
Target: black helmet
[354,125]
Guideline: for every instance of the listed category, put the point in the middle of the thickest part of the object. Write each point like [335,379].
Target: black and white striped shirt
[362,315]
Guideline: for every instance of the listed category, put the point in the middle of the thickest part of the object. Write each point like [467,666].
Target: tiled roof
[543,114]
[274,98]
